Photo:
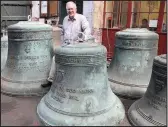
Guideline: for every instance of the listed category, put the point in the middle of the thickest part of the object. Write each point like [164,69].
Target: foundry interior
[84,63]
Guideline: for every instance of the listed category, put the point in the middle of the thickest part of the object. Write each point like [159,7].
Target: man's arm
[85,26]
[62,32]
[62,35]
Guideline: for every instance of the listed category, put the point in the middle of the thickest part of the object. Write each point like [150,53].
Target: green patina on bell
[80,94]
[150,110]
[130,69]
[29,59]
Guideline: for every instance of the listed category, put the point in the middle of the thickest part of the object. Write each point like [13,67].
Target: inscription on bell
[27,63]
[134,43]
[135,50]
[128,67]
[84,60]
[154,102]
[62,95]
[70,90]
[73,94]
[159,85]
[76,92]
[29,59]
[30,35]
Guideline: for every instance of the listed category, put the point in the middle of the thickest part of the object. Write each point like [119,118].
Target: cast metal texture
[4,50]
[130,69]
[80,94]
[151,109]
[29,59]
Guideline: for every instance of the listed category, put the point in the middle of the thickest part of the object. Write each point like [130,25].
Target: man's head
[71,8]
[144,23]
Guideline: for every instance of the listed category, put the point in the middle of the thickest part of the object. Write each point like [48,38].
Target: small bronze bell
[80,94]
[130,69]
[150,110]
[29,59]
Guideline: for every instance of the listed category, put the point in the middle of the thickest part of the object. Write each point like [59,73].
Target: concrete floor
[19,111]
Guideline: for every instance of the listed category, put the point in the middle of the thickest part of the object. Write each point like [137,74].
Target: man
[144,23]
[73,25]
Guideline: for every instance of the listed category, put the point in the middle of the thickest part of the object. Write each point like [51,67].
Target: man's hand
[80,39]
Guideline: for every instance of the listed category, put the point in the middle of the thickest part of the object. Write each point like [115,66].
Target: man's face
[71,10]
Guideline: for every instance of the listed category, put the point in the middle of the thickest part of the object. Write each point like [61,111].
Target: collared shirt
[72,27]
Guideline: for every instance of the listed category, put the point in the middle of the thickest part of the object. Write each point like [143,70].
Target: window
[53,8]
[164,26]
[48,9]
[145,11]
[115,14]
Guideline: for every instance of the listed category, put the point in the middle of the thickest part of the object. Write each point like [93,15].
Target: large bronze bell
[4,50]
[150,110]
[130,69]
[80,94]
[29,59]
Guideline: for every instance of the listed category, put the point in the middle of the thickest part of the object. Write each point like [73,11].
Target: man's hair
[145,20]
[71,2]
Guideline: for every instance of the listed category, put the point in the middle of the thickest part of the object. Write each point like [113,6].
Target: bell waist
[77,114]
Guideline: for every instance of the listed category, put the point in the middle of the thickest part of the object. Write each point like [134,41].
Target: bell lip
[8,90]
[135,92]
[119,117]
[131,117]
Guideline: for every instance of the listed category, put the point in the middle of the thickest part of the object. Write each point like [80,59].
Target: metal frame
[161,15]
[129,14]
[128,24]
[104,13]
[108,35]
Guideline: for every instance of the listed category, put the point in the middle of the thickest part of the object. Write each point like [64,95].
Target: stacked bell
[130,69]
[80,94]
[4,50]
[151,110]
[29,59]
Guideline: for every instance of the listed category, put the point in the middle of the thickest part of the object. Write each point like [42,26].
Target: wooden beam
[104,12]
[129,14]
[160,17]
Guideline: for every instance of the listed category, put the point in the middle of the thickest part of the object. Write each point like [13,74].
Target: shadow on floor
[19,111]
